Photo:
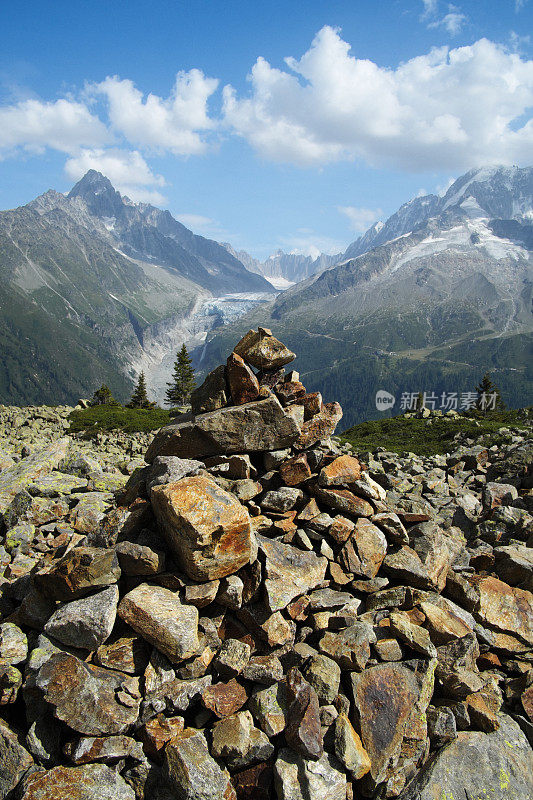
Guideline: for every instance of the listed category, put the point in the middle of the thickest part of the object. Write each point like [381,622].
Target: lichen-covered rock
[79,573]
[498,765]
[263,350]
[13,644]
[18,476]
[296,777]
[158,615]
[15,760]
[207,528]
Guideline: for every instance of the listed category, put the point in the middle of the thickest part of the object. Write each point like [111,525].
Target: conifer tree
[182,383]
[488,396]
[103,397]
[139,398]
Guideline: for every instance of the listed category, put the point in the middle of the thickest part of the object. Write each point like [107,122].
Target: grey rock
[167,469]
[190,770]
[498,765]
[13,644]
[87,622]
[289,572]
[77,783]
[15,761]
[296,778]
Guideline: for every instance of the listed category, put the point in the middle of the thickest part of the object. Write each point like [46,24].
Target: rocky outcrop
[263,613]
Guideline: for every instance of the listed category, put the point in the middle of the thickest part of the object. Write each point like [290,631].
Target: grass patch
[107,418]
[399,434]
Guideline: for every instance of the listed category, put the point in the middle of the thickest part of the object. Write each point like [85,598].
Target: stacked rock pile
[261,615]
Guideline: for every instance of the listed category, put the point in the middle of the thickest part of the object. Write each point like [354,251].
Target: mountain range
[427,301]
[284,269]
[94,287]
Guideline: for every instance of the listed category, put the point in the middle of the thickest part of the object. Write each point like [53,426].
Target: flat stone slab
[290,572]
[249,428]
[19,476]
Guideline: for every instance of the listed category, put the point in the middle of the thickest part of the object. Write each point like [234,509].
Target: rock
[282,499]
[238,742]
[498,765]
[295,470]
[498,494]
[364,552]
[290,572]
[506,608]
[91,700]
[441,725]
[416,637]
[80,572]
[351,647]
[158,616]
[15,761]
[386,703]
[296,778]
[201,594]
[270,708]
[168,469]
[212,394]
[263,669]
[243,385]
[126,654]
[324,675]
[345,501]
[207,528]
[77,783]
[349,748]
[302,731]
[319,427]
[190,770]
[224,699]
[437,550]
[342,471]
[252,427]
[138,559]
[514,565]
[87,622]
[264,351]
[157,732]
[13,644]
[28,470]
[232,658]
[254,783]
[103,748]
[443,624]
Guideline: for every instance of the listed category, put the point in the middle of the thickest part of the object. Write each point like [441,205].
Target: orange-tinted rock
[80,572]
[254,783]
[264,351]
[243,385]
[364,552]
[527,701]
[127,654]
[349,748]
[506,608]
[295,470]
[224,699]
[207,528]
[290,391]
[321,426]
[157,732]
[343,471]
[345,501]
[312,403]
[443,624]
[341,530]
[290,572]
[309,511]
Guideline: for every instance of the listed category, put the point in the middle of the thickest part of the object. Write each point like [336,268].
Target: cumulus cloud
[306,242]
[449,109]
[172,124]
[127,171]
[33,125]
[360,218]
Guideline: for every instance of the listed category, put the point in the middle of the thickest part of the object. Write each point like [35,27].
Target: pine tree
[103,397]
[182,383]
[139,398]
[488,396]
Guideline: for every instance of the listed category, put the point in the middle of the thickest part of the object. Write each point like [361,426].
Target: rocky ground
[255,611]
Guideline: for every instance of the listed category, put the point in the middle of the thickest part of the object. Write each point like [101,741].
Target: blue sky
[271,125]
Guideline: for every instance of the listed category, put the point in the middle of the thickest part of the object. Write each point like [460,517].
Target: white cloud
[173,124]
[360,218]
[127,171]
[64,125]
[195,220]
[450,109]
[519,5]
[308,243]
[430,8]
[453,21]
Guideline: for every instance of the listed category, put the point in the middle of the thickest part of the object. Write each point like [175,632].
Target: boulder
[77,783]
[296,777]
[243,385]
[289,572]
[264,351]
[212,394]
[498,765]
[253,427]
[207,528]
[191,771]
[85,623]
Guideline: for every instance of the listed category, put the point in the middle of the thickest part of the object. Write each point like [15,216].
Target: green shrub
[106,418]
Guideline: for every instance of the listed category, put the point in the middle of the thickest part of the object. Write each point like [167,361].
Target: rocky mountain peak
[100,196]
